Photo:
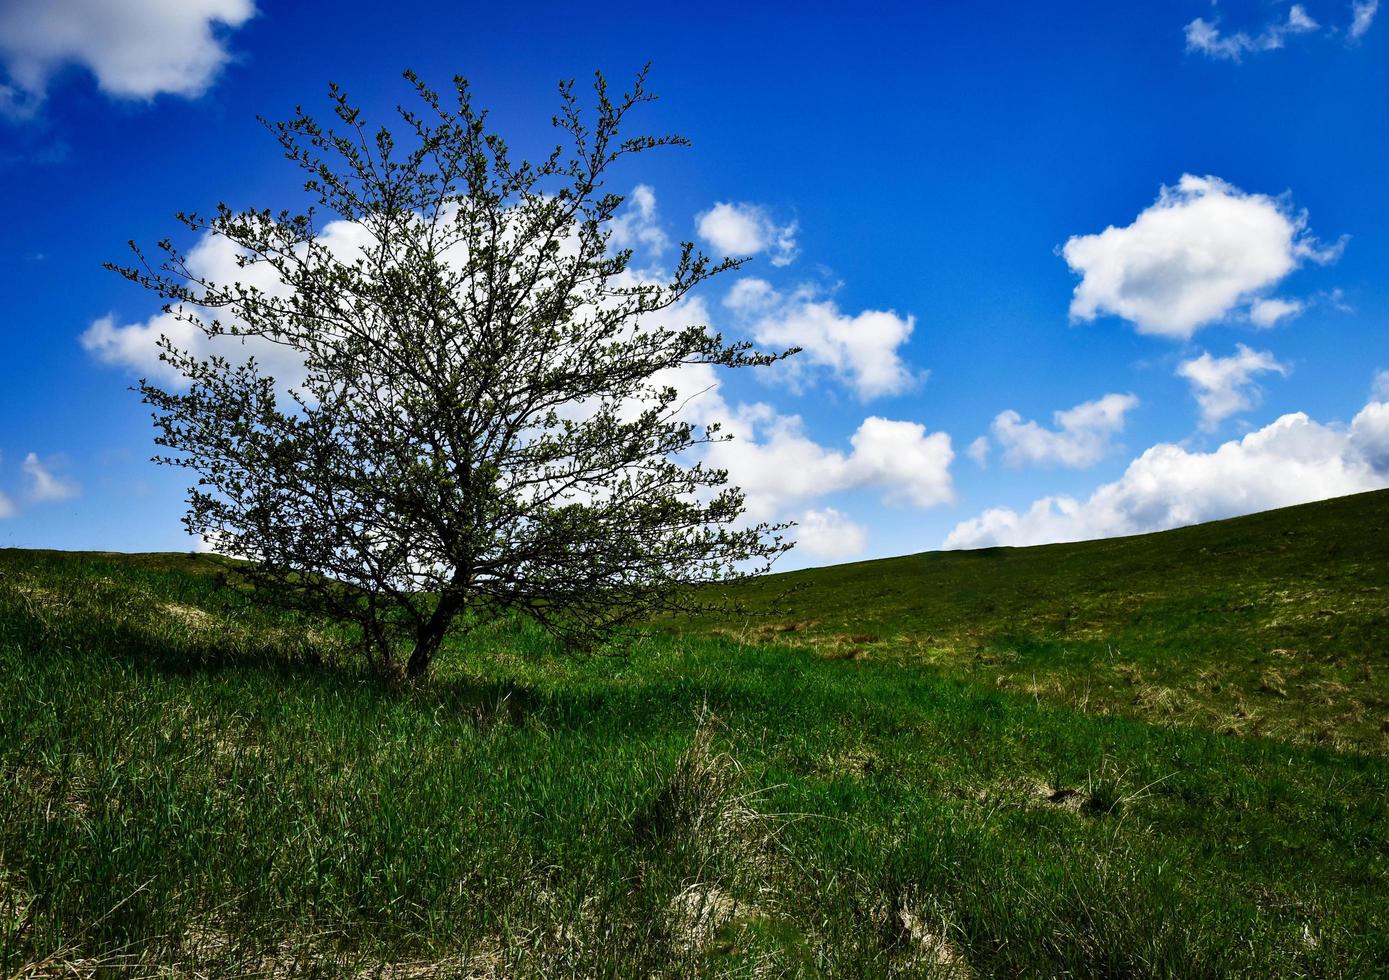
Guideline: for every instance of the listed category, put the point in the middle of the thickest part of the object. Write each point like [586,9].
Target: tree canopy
[486,417]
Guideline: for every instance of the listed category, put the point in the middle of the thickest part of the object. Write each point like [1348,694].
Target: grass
[941,765]
[1275,624]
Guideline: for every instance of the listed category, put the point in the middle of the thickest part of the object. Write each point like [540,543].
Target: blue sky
[1168,222]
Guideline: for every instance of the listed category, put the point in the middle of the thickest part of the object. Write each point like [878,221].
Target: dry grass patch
[917,933]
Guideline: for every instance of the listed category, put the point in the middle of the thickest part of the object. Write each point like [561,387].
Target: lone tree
[485,419]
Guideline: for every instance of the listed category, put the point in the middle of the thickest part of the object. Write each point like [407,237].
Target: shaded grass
[189,782]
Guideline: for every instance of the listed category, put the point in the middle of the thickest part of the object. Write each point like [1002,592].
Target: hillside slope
[1274,623]
[1081,760]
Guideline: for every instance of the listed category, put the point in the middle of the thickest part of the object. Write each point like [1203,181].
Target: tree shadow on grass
[223,639]
[294,659]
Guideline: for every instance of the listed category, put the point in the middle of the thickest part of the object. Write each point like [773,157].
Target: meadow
[1160,756]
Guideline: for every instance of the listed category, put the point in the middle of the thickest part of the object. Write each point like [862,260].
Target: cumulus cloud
[1369,434]
[1204,36]
[135,49]
[830,535]
[779,466]
[212,259]
[782,470]
[1224,386]
[862,349]
[1291,461]
[1267,312]
[638,225]
[44,486]
[1083,435]
[1362,15]
[1203,251]
[747,229]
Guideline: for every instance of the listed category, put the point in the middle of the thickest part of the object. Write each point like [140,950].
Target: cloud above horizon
[782,470]
[1224,386]
[1083,435]
[1203,252]
[862,350]
[778,465]
[137,49]
[830,535]
[44,485]
[41,484]
[742,229]
[1292,460]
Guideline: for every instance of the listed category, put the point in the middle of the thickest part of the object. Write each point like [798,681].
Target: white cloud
[1224,386]
[6,506]
[1299,22]
[638,224]
[782,470]
[1362,15]
[746,229]
[1267,312]
[903,461]
[1369,434]
[1379,388]
[830,535]
[979,451]
[1205,37]
[779,466]
[1083,435]
[1203,250]
[136,49]
[212,259]
[860,349]
[1291,461]
[44,485]
[751,295]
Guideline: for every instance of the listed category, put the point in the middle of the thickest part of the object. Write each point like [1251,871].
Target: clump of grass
[715,849]
[698,804]
[1104,792]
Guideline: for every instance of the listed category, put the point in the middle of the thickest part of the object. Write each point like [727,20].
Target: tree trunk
[430,636]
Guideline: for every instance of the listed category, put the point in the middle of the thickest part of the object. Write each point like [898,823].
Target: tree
[486,418]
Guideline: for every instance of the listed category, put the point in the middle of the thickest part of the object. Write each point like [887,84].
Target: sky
[1058,271]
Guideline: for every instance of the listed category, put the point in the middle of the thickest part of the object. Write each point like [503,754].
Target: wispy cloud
[1205,37]
[862,350]
[1224,386]
[44,485]
[1362,15]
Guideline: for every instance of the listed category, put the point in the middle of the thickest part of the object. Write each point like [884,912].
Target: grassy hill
[1271,624]
[1155,756]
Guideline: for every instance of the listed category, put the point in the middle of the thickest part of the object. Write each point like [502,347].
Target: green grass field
[1156,756]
